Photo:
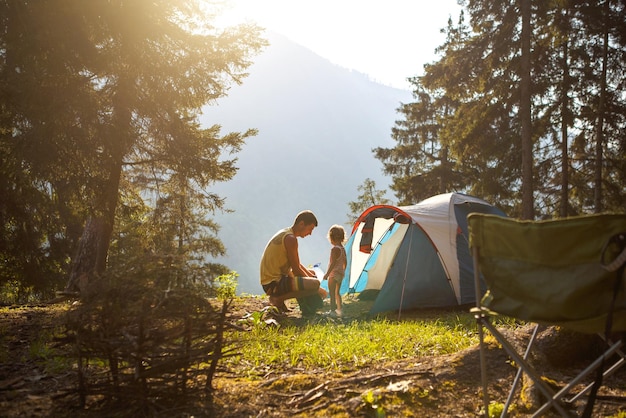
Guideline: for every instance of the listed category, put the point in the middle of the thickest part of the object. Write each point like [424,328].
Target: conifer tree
[489,134]
[369,196]
[102,87]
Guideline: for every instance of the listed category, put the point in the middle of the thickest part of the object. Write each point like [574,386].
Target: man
[282,275]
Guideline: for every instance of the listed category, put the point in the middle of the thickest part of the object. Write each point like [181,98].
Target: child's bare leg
[332,289]
[338,299]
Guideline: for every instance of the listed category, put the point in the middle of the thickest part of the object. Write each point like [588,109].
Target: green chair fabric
[550,272]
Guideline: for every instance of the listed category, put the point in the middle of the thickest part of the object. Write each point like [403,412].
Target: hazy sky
[389,40]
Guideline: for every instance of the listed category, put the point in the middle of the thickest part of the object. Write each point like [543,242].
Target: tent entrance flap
[386,254]
[371,268]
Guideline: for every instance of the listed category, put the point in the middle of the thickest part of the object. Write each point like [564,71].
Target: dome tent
[414,256]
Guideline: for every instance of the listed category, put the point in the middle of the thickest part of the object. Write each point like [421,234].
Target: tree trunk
[91,256]
[565,118]
[93,247]
[525,115]
[444,179]
[85,259]
[597,200]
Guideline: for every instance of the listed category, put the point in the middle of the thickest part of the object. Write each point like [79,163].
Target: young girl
[336,268]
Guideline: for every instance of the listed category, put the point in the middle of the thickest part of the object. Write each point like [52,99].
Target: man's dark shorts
[283,286]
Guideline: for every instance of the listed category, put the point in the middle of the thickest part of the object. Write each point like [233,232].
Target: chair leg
[483,363]
[520,371]
[561,393]
[547,392]
[613,349]
[479,315]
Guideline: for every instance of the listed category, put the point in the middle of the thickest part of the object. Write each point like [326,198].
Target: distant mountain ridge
[318,124]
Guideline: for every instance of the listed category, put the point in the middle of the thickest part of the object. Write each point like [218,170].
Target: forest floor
[437,386]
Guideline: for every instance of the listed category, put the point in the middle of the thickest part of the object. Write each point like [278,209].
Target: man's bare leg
[311,287]
[278,301]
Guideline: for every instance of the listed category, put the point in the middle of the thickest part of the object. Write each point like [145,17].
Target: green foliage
[226,286]
[495,410]
[263,319]
[176,242]
[106,113]
[13,292]
[157,342]
[255,319]
[369,196]
[40,157]
[372,401]
[51,360]
[420,165]
[463,130]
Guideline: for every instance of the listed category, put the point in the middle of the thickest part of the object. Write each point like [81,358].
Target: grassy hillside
[424,364]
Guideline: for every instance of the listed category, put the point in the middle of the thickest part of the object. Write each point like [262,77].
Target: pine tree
[369,196]
[533,156]
[103,90]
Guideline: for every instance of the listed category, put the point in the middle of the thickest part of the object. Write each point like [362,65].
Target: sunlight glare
[389,40]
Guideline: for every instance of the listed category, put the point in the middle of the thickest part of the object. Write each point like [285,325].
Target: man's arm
[291,245]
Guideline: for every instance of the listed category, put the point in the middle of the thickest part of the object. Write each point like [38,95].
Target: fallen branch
[375,378]
[313,408]
[311,395]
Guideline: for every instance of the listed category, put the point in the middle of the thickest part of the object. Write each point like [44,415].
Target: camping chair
[567,273]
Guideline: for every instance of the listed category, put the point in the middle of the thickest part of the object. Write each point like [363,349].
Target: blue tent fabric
[345,284]
[415,285]
[466,264]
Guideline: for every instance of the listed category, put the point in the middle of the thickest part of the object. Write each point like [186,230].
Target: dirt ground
[440,386]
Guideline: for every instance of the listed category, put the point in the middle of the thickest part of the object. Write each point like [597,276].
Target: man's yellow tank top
[274,262]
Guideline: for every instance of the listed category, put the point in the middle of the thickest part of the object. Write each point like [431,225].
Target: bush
[157,346]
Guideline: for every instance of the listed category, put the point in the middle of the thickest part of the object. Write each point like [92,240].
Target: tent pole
[406,268]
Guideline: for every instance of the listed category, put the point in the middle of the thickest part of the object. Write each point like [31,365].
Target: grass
[336,346]
[42,348]
[325,344]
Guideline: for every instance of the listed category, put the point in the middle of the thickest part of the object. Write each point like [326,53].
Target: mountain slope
[318,124]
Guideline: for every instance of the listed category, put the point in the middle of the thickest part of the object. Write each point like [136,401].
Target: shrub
[156,345]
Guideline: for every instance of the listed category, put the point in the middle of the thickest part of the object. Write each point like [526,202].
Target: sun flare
[389,41]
